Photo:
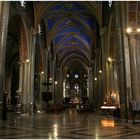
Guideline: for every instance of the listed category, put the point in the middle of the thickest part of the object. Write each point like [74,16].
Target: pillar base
[124,113]
[39,107]
[27,108]
[24,108]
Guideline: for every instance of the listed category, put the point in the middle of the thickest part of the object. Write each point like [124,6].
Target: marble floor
[67,125]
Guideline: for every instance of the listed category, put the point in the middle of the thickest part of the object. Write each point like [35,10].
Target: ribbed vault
[71,30]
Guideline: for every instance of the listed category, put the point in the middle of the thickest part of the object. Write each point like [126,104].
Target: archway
[16,56]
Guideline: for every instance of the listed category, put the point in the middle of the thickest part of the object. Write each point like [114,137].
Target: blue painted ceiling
[73,27]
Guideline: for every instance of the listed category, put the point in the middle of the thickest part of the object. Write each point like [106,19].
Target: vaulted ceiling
[72,31]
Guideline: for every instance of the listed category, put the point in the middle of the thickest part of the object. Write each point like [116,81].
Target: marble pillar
[8,87]
[24,90]
[28,84]
[122,75]
[58,94]
[104,58]
[127,66]
[101,89]
[53,83]
[20,89]
[32,70]
[121,59]
[90,84]
[133,65]
[138,63]
[4,16]
[20,86]
[47,69]
[60,83]
[40,100]
[25,86]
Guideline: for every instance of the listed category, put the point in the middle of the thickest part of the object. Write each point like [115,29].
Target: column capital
[131,36]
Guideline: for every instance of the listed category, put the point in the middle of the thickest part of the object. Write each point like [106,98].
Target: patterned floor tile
[67,125]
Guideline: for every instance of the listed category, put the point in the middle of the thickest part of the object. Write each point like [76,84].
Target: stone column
[133,65]
[4,16]
[28,83]
[110,81]
[101,89]
[128,71]
[47,70]
[122,75]
[103,54]
[40,101]
[25,87]
[8,87]
[90,84]
[45,78]
[120,25]
[138,63]
[51,76]
[32,69]
[20,87]
[53,82]
[24,90]
[60,83]
[57,86]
